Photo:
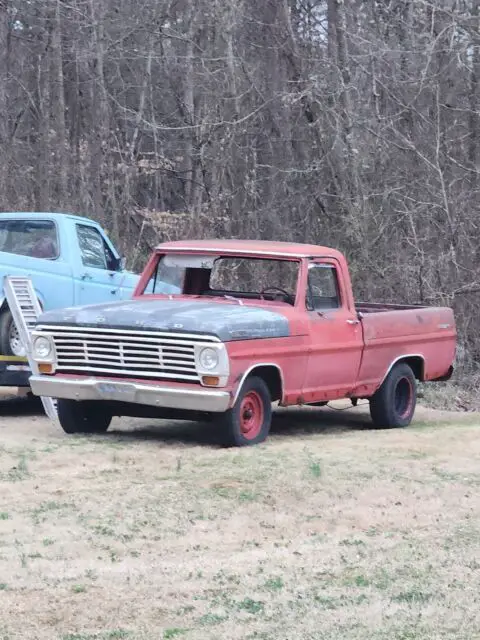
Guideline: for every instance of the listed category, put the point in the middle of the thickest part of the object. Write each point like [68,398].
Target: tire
[10,344]
[393,404]
[83,417]
[248,421]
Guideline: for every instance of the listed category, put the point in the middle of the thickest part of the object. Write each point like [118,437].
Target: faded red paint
[339,353]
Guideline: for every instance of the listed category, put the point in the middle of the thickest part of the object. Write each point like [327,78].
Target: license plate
[114,391]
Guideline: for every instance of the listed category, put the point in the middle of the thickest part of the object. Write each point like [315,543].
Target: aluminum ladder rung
[25,309]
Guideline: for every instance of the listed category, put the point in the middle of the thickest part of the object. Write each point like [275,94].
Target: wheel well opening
[272,378]
[417,365]
[4,306]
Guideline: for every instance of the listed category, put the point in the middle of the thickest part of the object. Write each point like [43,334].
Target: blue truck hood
[227,321]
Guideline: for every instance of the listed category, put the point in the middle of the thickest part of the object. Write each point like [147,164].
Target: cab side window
[33,238]
[323,292]
[94,250]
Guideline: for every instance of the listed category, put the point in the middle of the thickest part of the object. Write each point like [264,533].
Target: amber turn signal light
[45,368]
[210,381]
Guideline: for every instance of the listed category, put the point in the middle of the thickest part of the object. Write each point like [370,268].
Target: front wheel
[393,404]
[10,343]
[83,417]
[248,421]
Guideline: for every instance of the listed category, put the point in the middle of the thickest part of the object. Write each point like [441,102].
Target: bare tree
[4,115]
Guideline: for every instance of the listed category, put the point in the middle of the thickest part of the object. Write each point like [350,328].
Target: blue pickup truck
[70,260]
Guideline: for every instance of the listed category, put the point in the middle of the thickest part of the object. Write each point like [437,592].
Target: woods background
[351,123]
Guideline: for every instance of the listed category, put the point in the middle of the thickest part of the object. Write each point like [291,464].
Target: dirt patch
[329,530]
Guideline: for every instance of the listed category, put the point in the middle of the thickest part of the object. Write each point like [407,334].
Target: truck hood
[227,321]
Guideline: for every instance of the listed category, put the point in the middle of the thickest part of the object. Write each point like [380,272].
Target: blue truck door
[97,279]
[38,248]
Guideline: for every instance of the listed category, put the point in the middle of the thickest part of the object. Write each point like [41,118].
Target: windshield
[238,277]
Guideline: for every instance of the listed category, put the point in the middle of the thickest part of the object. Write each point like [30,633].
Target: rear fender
[415,360]
[128,284]
[446,377]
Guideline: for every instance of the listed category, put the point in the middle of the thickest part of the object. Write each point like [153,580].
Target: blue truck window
[94,251]
[33,238]
[166,279]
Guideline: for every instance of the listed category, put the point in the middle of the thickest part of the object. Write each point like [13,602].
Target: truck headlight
[208,359]
[212,364]
[42,348]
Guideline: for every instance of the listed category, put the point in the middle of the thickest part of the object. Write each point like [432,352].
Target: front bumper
[163,397]
[14,372]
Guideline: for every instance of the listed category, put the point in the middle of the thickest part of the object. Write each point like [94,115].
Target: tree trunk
[99,114]
[4,112]
[58,109]
[474,120]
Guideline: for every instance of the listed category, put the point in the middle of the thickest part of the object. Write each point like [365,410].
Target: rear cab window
[32,238]
[251,277]
[94,251]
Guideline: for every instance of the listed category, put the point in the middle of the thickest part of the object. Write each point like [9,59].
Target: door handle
[351,321]
[86,276]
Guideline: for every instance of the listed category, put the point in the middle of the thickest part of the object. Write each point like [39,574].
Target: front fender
[4,303]
[41,299]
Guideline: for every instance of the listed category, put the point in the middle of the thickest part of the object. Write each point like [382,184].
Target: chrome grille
[139,354]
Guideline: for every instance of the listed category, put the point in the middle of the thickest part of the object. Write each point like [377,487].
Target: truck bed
[380,307]
[393,331]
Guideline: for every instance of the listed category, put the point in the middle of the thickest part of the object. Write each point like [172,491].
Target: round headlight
[208,359]
[42,347]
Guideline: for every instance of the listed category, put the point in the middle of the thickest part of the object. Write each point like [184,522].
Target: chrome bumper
[209,400]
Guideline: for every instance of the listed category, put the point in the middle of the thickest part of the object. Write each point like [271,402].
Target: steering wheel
[282,291]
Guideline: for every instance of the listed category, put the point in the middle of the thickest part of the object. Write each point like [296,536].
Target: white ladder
[25,308]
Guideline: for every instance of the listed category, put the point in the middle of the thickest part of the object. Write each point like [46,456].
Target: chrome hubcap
[15,343]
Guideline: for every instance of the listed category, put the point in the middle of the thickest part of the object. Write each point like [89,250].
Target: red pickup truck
[254,322]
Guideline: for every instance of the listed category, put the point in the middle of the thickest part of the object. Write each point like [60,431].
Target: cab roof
[52,215]
[250,247]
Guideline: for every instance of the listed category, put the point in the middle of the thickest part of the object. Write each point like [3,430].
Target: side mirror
[119,264]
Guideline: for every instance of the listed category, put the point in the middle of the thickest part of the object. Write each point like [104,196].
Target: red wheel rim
[404,398]
[251,415]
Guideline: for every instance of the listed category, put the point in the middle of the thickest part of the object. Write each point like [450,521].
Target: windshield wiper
[227,297]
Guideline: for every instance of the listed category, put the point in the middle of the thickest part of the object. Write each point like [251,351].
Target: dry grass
[330,530]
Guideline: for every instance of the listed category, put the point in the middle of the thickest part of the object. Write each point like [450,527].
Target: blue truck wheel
[10,343]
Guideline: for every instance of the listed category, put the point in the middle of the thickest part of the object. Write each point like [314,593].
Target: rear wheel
[10,343]
[83,417]
[248,421]
[393,404]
